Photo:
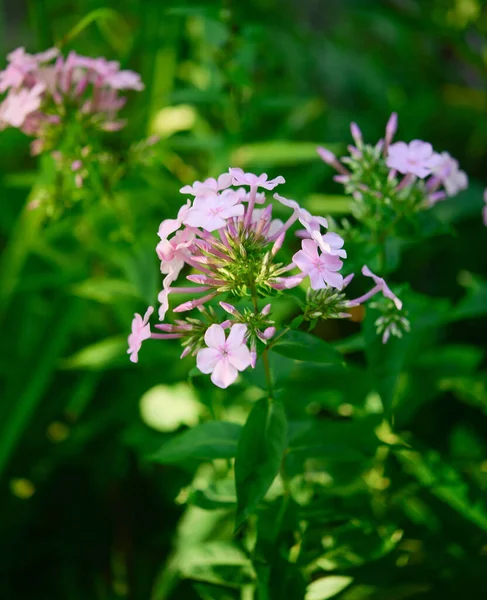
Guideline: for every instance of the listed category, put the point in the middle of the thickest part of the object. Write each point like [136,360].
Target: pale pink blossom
[330,243]
[200,188]
[382,286]
[140,332]
[322,269]
[169,226]
[448,173]
[309,222]
[224,358]
[174,252]
[255,181]
[18,105]
[416,158]
[212,211]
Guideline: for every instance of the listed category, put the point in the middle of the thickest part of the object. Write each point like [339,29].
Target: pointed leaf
[259,454]
[216,439]
[306,347]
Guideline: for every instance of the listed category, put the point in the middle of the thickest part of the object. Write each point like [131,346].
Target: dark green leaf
[216,439]
[306,347]
[260,451]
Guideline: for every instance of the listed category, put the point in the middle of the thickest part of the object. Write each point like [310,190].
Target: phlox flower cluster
[227,241]
[390,180]
[46,90]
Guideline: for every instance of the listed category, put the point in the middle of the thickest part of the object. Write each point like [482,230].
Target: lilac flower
[20,104]
[309,222]
[224,358]
[416,158]
[140,332]
[330,243]
[380,286]
[448,173]
[213,185]
[212,211]
[169,226]
[322,269]
[40,92]
[255,181]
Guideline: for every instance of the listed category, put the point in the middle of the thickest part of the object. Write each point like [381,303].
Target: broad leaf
[259,454]
[216,439]
[306,347]
[327,587]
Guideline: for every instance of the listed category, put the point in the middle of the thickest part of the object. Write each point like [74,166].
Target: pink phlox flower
[174,252]
[330,243]
[255,181]
[199,188]
[163,296]
[19,104]
[169,226]
[140,332]
[212,210]
[224,358]
[22,65]
[309,222]
[448,172]
[416,158]
[322,269]
[125,80]
[382,285]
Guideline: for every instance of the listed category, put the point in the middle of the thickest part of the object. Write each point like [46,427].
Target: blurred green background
[256,84]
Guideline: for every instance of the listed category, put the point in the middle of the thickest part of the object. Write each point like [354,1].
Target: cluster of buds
[49,96]
[227,238]
[393,180]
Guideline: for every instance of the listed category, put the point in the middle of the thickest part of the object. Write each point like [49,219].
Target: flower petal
[236,336]
[215,336]
[240,357]
[224,374]
[207,359]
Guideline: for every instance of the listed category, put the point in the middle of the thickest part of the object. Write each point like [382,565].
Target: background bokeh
[256,84]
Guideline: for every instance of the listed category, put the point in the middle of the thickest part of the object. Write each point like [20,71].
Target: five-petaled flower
[211,211]
[416,158]
[224,358]
[322,269]
[140,332]
[255,181]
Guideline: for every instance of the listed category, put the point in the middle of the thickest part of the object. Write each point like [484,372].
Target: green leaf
[327,587]
[260,450]
[111,25]
[306,347]
[215,439]
[217,562]
[329,204]
[277,153]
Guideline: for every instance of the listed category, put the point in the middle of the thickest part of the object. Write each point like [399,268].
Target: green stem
[265,354]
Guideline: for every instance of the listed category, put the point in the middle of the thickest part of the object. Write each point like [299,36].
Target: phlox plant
[242,261]
[69,105]
[228,237]
[294,328]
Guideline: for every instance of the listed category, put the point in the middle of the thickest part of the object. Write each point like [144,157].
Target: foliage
[365,476]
